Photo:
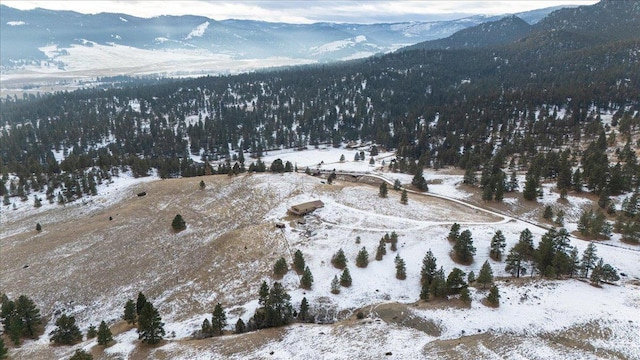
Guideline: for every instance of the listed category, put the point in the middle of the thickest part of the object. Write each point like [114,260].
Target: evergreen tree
[345,278]
[307,279]
[240,327]
[548,213]
[263,294]
[150,325]
[80,354]
[278,307]
[530,188]
[465,297]
[429,269]
[92,332]
[498,243]
[29,314]
[419,182]
[38,227]
[178,223]
[383,190]
[339,260]
[66,332]
[574,262]
[342,159]
[463,247]
[206,329]
[513,263]
[455,281]
[362,260]
[425,290]
[104,334]
[589,259]
[438,287]
[381,250]
[202,185]
[298,262]
[218,320]
[4,353]
[304,314]
[15,329]
[493,299]
[401,268]
[396,185]
[471,278]
[280,268]
[454,233]
[335,285]
[130,312]
[485,276]
[404,198]
[140,302]
[596,274]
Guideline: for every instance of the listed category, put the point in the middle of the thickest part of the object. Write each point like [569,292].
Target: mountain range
[47,40]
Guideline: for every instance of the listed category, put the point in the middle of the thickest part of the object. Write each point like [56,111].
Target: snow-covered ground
[530,310]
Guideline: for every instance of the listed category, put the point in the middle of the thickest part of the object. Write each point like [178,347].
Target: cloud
[348,11]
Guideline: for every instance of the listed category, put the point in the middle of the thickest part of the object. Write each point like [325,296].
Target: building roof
[305,208]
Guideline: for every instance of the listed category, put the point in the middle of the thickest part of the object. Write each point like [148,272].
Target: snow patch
[198,31]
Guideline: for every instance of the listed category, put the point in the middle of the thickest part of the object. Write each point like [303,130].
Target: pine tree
[530,191]
[263,294]
[383,190]
[178,223]
[130,312]
[345,278]
[150,325]
[140,302]
[342,159]
[381,250]
[66,332]
[27,311]
[498,243]
[4,353]
[15,329]
[401,268]
[339,260]
[454,233]
[465,297]
[104,334]
[429,269]
[335,285]
[485,276]
[455,281]
[298,262]
[307,279]
[596,274]
[38,227]
[419,182]
[548,213]
[439,285]
[218,320]
[240,327]
[202,185]
[280,268]
[471,278]
[92,332]
[404,198]
[304,315]
[206,329]
[80,354]
[589,259]
[463,247]
[396,185]
[493,299]
[362,260]
[513,263]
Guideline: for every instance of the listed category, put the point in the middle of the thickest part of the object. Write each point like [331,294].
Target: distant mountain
[568,28]
[65,40]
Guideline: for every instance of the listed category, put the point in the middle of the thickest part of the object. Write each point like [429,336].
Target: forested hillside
[531,103]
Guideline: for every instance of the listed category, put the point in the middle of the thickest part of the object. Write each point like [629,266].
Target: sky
[302,12]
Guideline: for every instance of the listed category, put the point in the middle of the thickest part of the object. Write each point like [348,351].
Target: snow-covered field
[533,318]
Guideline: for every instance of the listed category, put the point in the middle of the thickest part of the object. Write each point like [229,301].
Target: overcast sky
[309,11]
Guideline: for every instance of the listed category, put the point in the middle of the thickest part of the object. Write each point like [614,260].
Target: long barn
[305,208]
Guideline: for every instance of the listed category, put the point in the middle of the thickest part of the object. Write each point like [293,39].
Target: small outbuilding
[306,208]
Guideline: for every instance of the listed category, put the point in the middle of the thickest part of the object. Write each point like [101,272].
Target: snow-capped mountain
[55,41]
